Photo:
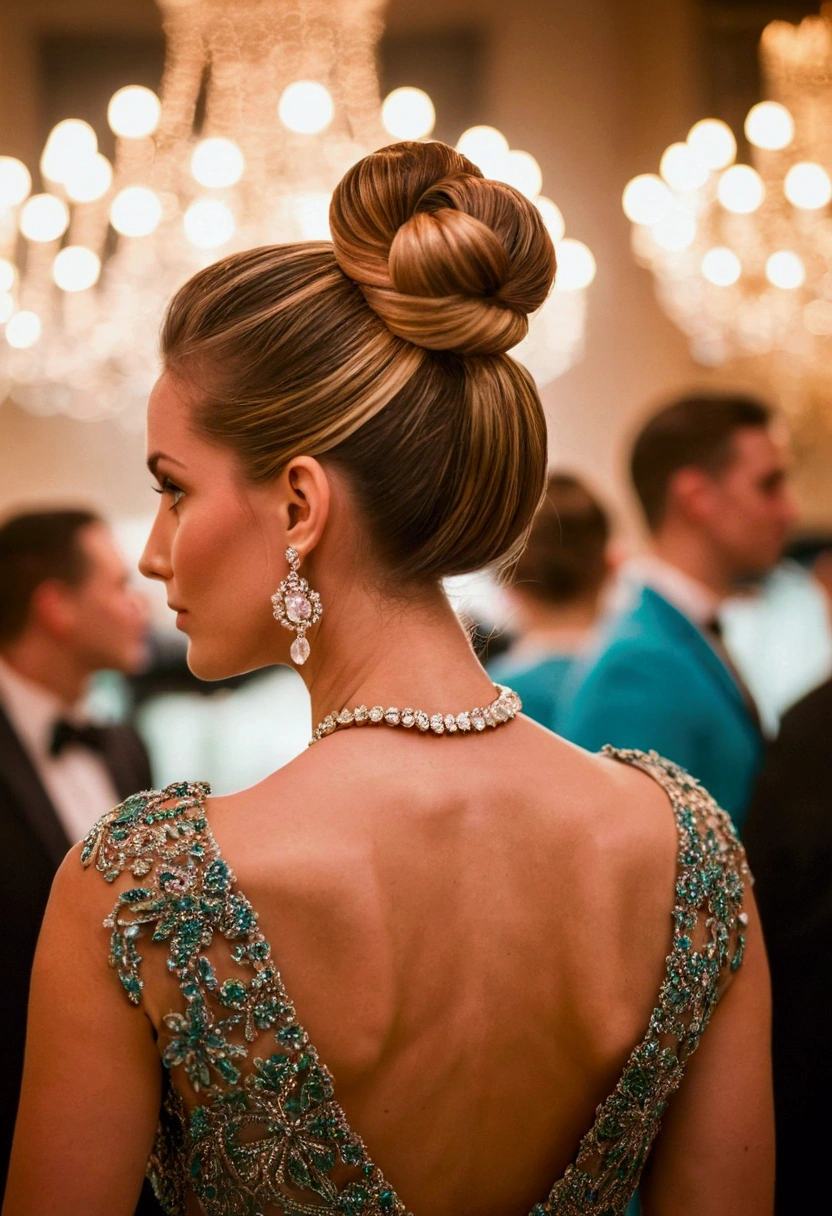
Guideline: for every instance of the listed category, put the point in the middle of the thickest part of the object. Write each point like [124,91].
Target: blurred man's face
[749,508]
[109,619]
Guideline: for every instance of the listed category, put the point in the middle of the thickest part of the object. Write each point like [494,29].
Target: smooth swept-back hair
[36,547]
[695,431]
[565,558]
[384,353]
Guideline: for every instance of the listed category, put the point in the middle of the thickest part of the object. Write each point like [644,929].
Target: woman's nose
[154,561]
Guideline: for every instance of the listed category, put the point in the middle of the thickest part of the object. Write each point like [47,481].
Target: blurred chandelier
[264,105]
[742,254]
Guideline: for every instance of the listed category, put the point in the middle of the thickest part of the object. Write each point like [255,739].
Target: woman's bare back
[474,938]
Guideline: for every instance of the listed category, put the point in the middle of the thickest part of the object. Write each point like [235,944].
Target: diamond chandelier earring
[296,607]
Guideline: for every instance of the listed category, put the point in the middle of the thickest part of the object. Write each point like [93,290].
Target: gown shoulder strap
[161,839]
[708,942]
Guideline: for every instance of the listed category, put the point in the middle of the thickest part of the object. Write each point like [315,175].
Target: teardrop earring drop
[296,607]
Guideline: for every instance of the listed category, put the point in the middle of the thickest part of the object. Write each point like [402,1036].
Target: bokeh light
[576,265]
[552,217]
[408,113]
[44,218]
[89,180]
[712,141]
[134,112]
[675,231]
[646,199]
[741,189]
[786,270]
[521,170]
[305,107]
[208,224]
[807,185]
[76,268]
[70,142]
[682,169]
[15,181]
[486,147]
[217,162]
[135,211]
[721,266]
[23,329]
[769,125]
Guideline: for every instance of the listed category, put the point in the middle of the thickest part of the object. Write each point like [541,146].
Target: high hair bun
[447,259]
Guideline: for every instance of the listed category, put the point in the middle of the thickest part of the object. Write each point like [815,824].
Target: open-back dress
[250,1124]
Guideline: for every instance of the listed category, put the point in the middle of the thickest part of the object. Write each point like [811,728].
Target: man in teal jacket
[710,473]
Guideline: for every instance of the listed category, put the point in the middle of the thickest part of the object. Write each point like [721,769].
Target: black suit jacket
[789,841]
[33,844]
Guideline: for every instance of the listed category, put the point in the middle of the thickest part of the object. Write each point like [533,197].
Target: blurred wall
[594,90]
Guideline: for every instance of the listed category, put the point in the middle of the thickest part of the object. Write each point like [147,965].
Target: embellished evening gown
[250,1123]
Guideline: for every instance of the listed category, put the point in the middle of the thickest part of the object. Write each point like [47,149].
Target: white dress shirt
[77,781]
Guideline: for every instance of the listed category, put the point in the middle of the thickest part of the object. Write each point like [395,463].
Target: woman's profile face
[215,543]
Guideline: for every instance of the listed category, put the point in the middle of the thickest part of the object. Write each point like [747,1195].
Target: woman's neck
[375,650]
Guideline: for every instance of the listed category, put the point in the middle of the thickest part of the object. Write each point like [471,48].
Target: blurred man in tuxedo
[711,475]
[789,842]
[66,611]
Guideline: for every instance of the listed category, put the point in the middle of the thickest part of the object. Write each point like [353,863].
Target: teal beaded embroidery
[266,1134]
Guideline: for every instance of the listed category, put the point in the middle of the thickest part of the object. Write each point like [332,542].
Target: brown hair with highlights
[384,353]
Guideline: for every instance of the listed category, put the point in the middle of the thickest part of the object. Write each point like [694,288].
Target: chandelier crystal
[742,253]
[264,105]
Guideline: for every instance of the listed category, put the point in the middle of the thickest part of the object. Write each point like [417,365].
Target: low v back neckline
[189,894]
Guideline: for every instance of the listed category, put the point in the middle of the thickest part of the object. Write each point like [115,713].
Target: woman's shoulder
[637,818]
[148,826]
[169,882]
[695,810]
[711,867]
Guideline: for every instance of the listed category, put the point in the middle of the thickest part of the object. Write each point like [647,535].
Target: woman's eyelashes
[169,487]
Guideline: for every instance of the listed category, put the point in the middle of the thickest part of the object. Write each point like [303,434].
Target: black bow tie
[65,733]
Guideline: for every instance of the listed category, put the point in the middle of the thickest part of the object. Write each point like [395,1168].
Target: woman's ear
[306,494]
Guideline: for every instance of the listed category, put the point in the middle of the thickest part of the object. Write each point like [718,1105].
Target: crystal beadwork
[244,1086]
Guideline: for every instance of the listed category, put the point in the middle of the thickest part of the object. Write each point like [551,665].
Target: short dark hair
[695,431]
[36,546]
[565,558]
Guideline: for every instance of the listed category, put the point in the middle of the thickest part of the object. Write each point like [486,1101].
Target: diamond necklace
[501,710]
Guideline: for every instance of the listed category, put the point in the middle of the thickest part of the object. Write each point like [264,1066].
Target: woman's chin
[206,666]
[209,664]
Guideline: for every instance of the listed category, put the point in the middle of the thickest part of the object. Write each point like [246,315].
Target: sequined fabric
[250,1125]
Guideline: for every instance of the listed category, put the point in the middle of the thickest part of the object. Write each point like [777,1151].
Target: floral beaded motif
[251,1134]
